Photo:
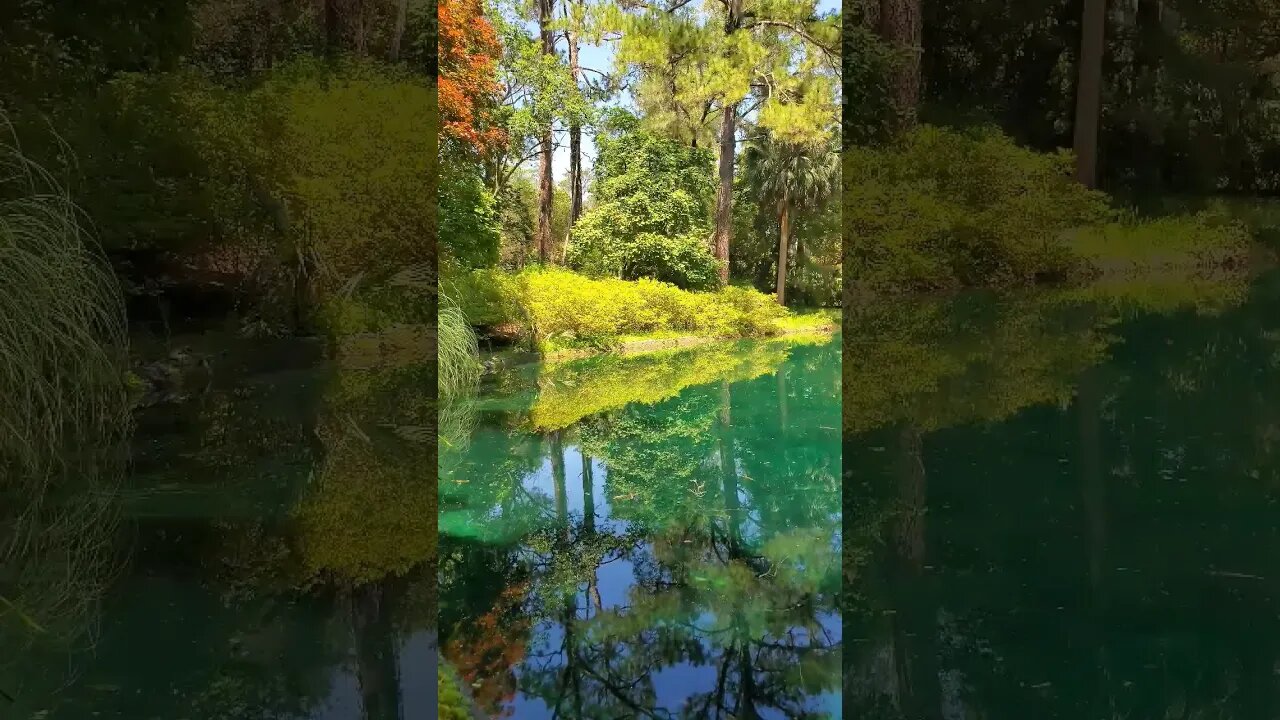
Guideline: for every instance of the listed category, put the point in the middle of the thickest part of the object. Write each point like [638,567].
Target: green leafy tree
[650,216]
[791,178]
[717,64]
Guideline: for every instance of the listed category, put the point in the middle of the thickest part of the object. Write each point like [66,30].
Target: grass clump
[64,417]
[558,309]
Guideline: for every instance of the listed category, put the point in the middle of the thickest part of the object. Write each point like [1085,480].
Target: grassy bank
[944,209]
[555,310]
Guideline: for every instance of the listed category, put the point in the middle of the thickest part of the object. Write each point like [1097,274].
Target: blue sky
[600,57]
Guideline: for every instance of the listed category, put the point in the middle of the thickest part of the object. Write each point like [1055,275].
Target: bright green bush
[652,213]
[559,308]
[356,159]
[469,221]
[945,209]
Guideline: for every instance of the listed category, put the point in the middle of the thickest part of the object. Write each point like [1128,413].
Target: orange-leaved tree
[469,51]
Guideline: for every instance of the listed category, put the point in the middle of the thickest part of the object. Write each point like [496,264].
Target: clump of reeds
[64,407]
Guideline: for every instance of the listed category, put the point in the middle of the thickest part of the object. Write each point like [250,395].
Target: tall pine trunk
[901,26]
[575,134]
[784,241]
[723,232]
[1089,91]
[545,188]
[724,196]
[332,26]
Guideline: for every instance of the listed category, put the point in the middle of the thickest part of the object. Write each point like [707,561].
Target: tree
[469,52]
[1089,91]
[773,63]
[546,188]
[650,214]
[790,177]
[397,35]
[900,23]
[573,17]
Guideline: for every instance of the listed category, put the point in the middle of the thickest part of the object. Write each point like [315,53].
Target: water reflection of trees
[283,532]
[1102,555]
[725,525]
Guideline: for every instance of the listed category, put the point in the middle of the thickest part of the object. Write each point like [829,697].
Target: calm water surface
[1064,511]
[650,537]
[269,556]
[1053,506]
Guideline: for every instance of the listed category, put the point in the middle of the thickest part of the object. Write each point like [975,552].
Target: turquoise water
[650,537]
[1065,511]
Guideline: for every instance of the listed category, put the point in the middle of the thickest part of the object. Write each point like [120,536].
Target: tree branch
[830,52]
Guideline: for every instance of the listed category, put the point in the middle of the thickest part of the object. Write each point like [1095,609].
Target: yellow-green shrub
[356,159]
[943,208]
[556,307]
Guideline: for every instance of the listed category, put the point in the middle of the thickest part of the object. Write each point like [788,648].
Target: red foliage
[486,650]
[468,88]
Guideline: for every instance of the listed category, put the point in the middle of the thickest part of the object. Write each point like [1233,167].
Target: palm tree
[790,178]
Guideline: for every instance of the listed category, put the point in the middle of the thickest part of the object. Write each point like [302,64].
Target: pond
[1057,504]
[1065,509]
[655,536]
[269,555]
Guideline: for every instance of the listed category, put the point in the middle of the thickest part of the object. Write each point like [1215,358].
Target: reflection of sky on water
[676,682]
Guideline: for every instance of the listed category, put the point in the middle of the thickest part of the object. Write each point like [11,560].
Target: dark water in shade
[650,537]
[1070,512]
[269,556]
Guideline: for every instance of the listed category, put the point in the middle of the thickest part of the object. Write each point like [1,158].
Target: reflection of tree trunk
[782,402]
[589,527]
[915,622]
[588,495]
[747,702]
[1089,408]
[572,666]
[377,668]
[1093,488]
[729,469]
[913,497]
[558,479]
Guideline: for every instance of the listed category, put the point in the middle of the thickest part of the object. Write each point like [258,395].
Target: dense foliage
[944,209]
[557,308]
[651,212]
[1189,99]
[468,60]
